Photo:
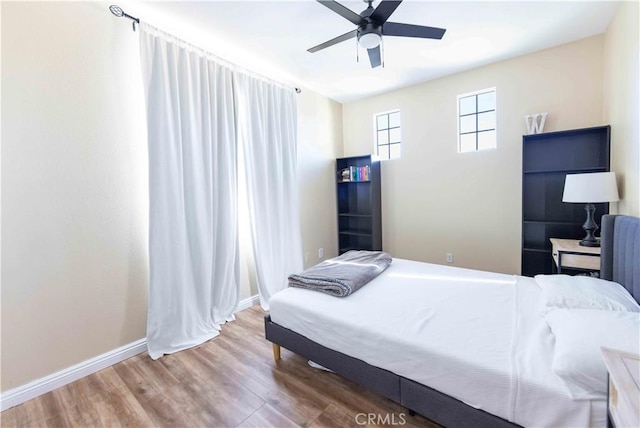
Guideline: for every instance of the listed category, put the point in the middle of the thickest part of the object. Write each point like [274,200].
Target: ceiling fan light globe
[369,40]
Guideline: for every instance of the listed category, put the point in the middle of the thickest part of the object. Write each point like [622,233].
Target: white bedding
[476,336]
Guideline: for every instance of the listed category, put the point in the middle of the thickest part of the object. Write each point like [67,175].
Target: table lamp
[590,188]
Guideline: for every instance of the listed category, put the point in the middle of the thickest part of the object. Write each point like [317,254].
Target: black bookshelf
[546,160]
[358,203]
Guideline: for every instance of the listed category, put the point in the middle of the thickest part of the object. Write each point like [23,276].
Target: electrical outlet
[320,253]
[306,257]
[449,258]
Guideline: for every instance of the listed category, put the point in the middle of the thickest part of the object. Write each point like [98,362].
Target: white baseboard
[248,302]
[21,394]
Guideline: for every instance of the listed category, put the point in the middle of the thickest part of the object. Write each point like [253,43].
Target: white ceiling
[272,37]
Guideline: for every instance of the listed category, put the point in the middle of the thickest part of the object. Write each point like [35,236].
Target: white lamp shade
[592,188]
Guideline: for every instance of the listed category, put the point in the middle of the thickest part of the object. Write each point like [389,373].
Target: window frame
[376,131]
[477,114]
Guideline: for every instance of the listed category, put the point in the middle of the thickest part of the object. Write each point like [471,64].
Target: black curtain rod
[117,11]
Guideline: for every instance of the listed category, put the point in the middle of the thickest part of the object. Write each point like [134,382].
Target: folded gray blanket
[344,274]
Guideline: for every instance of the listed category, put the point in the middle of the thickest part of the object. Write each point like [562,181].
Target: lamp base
[585,243]
[590,227]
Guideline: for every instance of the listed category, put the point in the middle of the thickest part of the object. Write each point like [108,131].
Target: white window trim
[375,132]
[468,94]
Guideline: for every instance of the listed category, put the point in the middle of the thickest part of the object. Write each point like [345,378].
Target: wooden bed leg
[276,352]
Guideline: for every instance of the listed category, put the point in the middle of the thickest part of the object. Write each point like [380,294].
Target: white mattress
[476,336]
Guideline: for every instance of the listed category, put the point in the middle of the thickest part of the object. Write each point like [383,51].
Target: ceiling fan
[372,25]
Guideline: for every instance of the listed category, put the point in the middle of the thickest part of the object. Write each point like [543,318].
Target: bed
[431,359]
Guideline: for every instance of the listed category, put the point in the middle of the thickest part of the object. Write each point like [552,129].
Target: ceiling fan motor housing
[371,24]
[369,35]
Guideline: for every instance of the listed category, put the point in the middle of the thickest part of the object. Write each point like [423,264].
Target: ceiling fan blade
[341,10]
[409,30]
[374,57]
[335,40]
[384,10]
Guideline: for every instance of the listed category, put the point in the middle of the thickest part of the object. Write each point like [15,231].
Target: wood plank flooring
[229,381]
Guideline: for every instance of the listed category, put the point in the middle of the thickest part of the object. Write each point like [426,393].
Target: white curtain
[267,130]
[193,242]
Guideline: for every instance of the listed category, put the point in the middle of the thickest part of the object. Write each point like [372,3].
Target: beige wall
[74,186]
[621,95]
[437,201]
[319,143]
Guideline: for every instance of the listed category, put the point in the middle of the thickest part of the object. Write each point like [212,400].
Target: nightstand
[568,253]
[623,404]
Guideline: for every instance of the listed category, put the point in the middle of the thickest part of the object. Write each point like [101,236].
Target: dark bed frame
[619,262]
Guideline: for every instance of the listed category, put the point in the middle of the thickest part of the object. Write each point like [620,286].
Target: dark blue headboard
[620,258]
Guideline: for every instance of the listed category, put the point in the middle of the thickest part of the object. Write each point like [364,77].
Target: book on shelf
[354,173]
[362,173]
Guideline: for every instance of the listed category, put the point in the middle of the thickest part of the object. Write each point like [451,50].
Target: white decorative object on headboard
[533,126]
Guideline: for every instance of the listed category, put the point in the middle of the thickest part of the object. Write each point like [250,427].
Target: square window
[383,151]
[487,101]
[487,121]
[383,121]
[468,142]
[468,105]
[394,120]
[486,140]
[477,121]
[387,131]
[394,151]
[467,124]
[394,135]
[383,137]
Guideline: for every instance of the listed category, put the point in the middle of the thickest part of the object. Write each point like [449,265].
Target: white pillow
[579,335]
[564,291]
